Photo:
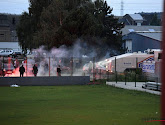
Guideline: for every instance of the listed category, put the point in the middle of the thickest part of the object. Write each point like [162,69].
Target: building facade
[8,35]
[5,34]
[141,41]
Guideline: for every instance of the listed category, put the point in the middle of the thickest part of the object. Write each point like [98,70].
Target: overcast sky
[129,6]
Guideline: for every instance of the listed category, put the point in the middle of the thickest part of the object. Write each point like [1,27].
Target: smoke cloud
[71,59]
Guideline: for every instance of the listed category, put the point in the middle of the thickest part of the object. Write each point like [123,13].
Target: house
[132,19]
[142,40]
[5,34]
[8,35]
[145,19]
[138,34]
[13,20]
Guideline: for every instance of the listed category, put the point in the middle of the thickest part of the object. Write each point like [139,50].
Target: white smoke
[79,49]
[69,58]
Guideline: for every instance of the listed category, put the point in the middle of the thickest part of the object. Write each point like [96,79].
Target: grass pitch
[77,105]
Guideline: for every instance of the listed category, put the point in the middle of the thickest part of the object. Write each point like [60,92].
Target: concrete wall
[45,81]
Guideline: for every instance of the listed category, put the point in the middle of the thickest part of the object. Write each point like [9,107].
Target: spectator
[35,70]
[58,71]
[21,70]
[16,63]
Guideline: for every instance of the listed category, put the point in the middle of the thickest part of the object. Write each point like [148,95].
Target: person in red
[35,70]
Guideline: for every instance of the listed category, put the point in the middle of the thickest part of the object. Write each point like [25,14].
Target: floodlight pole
[125,78]
[93,69]
[136,70]
[49,66]
[26,66]
[3,67]
[71,66]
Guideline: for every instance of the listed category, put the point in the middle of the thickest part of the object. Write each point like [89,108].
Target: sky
[129,6]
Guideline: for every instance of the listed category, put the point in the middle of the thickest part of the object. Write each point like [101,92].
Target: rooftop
[136,16]
[129,28]
[152,35]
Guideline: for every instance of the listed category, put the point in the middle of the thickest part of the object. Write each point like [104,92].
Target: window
[131,30]
[151,30]
[129,46]
[2,35]
[160,56]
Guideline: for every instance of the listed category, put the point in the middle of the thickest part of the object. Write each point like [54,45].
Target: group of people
[35,70]
[22,70]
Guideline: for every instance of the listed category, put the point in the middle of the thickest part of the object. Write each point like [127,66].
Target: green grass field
[77,105]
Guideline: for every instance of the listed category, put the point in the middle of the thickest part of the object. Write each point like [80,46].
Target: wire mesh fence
[47,66]
[126,70]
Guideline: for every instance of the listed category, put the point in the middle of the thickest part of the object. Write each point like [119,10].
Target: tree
[50,20]
[111,28]
[45,18]
[155,21]
[79,24]
[59,26]
[55,23]
[30,23]
[24,31]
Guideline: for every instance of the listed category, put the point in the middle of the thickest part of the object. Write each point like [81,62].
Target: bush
[129,77]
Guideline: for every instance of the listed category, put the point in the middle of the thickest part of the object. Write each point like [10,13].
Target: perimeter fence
[125,70]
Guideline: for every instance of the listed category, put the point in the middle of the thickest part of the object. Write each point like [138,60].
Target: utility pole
[122,8]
